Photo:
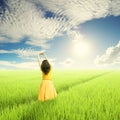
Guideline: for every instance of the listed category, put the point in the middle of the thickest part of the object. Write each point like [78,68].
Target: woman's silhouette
[47,90]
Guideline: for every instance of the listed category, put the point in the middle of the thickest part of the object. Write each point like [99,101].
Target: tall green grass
[82,95]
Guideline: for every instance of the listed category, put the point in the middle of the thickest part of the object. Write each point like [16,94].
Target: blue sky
[74,35]
[104,32]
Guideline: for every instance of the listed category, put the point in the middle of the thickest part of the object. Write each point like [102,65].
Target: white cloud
[4,39]
[67,62]
[75,35]
[115,7]
[42,43]
[79,11]
[28,53]
[52,61]
[27,18]
[23,65]
[4,51]
[24,20]
[111,56]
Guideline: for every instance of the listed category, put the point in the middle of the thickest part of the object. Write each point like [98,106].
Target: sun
[82,48]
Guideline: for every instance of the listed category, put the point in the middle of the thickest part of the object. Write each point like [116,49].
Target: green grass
[82,95]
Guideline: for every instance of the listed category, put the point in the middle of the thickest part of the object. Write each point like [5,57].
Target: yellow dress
[47,90]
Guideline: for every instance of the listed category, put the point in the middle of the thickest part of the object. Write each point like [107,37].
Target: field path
[83,81]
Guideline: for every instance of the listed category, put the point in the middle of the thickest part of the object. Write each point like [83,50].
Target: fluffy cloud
[111,56]
[77,11]
[29,53]
[115,8]
[75,35]
[42,20]
[23,19]
[23,65]
[67,62]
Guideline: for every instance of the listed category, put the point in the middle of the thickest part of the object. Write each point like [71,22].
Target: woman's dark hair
[45,66]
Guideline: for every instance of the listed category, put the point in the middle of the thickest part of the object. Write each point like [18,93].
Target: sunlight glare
[81,48]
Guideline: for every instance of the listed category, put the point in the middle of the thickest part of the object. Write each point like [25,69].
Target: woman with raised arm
[47,90]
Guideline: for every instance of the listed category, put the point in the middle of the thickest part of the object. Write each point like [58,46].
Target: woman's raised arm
[39,61]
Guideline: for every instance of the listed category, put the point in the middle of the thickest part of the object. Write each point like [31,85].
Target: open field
[82,95]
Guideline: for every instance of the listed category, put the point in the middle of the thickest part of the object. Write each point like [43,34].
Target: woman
[47,90]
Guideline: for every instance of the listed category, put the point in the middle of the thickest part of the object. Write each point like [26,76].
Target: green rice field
[82,95]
